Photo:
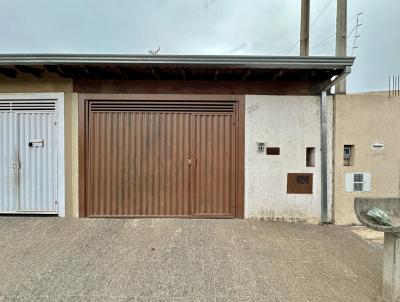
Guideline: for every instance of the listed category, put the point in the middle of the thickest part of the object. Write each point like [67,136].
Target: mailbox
[300,183]
[36,142]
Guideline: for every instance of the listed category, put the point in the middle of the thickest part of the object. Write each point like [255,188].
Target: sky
[214,27]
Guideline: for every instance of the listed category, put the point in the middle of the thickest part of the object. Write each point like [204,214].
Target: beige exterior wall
[71,155]
[27,84]
[362,120]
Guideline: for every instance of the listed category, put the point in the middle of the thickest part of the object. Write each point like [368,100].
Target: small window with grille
[358,182]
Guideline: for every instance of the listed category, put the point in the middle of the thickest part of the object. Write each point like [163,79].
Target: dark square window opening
[310,157]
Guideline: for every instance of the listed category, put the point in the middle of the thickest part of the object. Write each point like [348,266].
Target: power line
[352,21]
[354,27]
[321,12]
[312,23]
[324,41]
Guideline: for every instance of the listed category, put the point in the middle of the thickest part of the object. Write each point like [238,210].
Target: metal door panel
[8,162]
[214,177]
[160,159]
[38,164]
[137,164]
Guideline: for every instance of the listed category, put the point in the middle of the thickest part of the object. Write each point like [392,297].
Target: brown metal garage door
[155,158]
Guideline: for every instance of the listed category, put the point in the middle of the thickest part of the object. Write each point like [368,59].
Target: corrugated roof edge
[260,62]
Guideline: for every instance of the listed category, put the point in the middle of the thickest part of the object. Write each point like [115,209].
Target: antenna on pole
[356,35]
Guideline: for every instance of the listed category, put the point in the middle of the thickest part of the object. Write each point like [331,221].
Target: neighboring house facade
[169,136]
[368,125]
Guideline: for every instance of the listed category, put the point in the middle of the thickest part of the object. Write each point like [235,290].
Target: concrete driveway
[58,259]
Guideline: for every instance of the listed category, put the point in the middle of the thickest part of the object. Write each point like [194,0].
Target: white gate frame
[59,98]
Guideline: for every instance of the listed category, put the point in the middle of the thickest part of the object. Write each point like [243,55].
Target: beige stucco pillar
[391,267]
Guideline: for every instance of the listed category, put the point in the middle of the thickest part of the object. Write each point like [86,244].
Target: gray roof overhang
[177,67]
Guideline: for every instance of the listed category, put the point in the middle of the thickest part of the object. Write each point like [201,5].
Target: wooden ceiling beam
[216,73]
[58,70]
[122,73]
[36,72]
[85,70]
[95,72]
[309,76]
[67,71]
[277,75]
[8,72]
[246,75]
[183,73]
[155,73]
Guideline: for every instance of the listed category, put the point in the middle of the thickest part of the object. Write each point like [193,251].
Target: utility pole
[305,28]
[341,39]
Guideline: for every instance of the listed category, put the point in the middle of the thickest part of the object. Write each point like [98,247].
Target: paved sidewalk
[58,259]
[371,236]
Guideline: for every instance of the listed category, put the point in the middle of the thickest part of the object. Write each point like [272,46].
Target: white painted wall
[293,124]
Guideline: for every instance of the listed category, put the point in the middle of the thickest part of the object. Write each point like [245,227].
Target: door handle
[15,164]
[191,161]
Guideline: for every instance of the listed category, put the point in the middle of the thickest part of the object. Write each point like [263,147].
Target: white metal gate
[28,154]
